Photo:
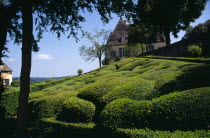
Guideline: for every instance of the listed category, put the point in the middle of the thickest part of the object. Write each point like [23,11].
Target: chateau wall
[158,45]
[7,76]
[114,48]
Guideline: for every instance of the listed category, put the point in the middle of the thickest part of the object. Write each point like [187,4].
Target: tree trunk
[3,34]
[99,62]
[142,49]
[147,49]
[2,89]
[4,23]
[167,34]
[23,111]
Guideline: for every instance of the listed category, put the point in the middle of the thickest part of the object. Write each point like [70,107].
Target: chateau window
[123,52]
[112,54]
[6,82]
[123,38]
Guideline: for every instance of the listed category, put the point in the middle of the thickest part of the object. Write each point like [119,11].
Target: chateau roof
[5,67]
[121,29]
[115,37]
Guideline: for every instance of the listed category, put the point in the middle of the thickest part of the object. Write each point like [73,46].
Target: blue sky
[58,58]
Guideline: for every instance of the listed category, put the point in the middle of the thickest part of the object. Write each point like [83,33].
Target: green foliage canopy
[169,15]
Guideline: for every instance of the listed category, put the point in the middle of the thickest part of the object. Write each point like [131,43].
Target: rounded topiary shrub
[184,110]
[123,62]
[194,51]
[48,105]
[132,65]
[95,91]
[15,83]
[139,89]
[77,110]
[125,113]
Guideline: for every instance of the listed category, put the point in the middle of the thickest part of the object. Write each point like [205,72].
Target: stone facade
[6,74]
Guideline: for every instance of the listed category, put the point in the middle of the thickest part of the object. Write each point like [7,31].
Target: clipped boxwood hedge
[8,104]
[139,89]
[9,99]
[153,63]
[109,68]
[124,113]
[95,91]
[147,133]
[41,85]
[49,106]
[184,110]
[50,127]
[77,110]
[142,70]
[123,62]
[132,65]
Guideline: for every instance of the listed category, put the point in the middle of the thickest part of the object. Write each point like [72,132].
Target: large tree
[58,16]
[97,48]
[141,33]
[170,16]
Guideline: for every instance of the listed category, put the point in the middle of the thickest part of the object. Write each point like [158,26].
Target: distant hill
[38,79]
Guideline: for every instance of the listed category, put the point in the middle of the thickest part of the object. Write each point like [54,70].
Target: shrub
[127,73]
[117,59]
[147,133]
[132,65]
[124,113]
[106,61]
[8,104]
[42,85]
[165,81]
[80,71]
[95,91]
[166,63]
[110,67]
[103,72]
[136,90]
[153,63]
[141,70]
[123,62]
[49,106]
[50,127]
[182,110]
[194,51]
[77,110]
[100,68]
[108,77]
[15,83]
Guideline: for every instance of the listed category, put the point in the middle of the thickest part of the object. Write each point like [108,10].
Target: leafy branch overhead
[97,44]
[170,16]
